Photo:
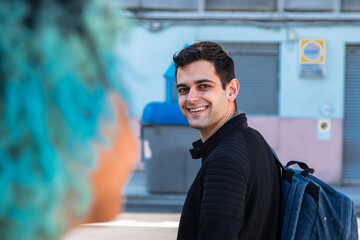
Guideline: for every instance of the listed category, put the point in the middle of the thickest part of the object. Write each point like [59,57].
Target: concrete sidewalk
[137,198]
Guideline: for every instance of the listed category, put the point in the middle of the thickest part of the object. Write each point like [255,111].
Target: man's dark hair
[212,52]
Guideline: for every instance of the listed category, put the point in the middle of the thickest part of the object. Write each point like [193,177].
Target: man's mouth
[199,109]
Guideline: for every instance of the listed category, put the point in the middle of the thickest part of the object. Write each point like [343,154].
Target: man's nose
[193,96]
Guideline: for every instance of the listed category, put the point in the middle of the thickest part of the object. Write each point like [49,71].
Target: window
[350,5]
[313,5]
[242,5]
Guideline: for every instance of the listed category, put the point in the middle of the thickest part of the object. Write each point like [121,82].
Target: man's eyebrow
[204,81]
[196,82]
[180,85]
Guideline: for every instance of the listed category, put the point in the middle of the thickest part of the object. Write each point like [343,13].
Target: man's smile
[197,109]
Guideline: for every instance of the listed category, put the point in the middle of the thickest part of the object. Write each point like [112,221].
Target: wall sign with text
[312,58]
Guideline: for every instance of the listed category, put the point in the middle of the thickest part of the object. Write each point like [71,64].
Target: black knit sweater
[236,193]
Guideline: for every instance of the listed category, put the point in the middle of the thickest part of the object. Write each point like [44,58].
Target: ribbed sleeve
[225,180]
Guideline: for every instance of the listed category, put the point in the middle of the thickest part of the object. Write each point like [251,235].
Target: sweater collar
[203,149]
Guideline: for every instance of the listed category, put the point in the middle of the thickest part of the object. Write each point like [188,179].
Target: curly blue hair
[56,71]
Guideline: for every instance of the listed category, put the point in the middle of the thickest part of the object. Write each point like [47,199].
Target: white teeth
[197,109]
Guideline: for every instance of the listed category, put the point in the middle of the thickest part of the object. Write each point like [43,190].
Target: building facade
[298,63]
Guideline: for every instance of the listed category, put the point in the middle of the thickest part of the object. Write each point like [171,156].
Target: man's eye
[203,86]
[182,90]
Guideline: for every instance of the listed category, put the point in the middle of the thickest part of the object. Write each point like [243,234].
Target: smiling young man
[236,193]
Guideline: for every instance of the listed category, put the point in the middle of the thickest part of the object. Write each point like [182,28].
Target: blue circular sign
[312,51]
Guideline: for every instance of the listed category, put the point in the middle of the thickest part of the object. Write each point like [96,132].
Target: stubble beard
[203,125]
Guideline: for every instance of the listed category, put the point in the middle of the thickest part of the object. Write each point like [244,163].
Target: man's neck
[206,134]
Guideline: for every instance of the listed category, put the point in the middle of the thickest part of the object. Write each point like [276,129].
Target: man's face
[202,100]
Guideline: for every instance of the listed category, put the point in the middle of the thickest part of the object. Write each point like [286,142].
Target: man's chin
[196,125]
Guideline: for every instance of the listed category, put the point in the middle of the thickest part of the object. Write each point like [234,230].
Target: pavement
[138,199]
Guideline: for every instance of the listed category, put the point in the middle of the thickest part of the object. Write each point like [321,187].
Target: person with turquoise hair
[66,146]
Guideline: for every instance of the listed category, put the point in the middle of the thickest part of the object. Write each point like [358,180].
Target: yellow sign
[324,129]
[324,125]
[312,51]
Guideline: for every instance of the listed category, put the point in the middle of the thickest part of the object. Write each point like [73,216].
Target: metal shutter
[352,115]
[257,69]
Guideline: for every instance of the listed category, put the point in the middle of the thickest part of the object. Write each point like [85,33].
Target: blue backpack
[311,209]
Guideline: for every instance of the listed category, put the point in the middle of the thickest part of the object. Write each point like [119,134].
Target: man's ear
[233,88]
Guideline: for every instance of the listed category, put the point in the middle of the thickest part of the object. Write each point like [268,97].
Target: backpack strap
[306,169]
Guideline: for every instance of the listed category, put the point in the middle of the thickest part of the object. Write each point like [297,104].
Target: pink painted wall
[297,139]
